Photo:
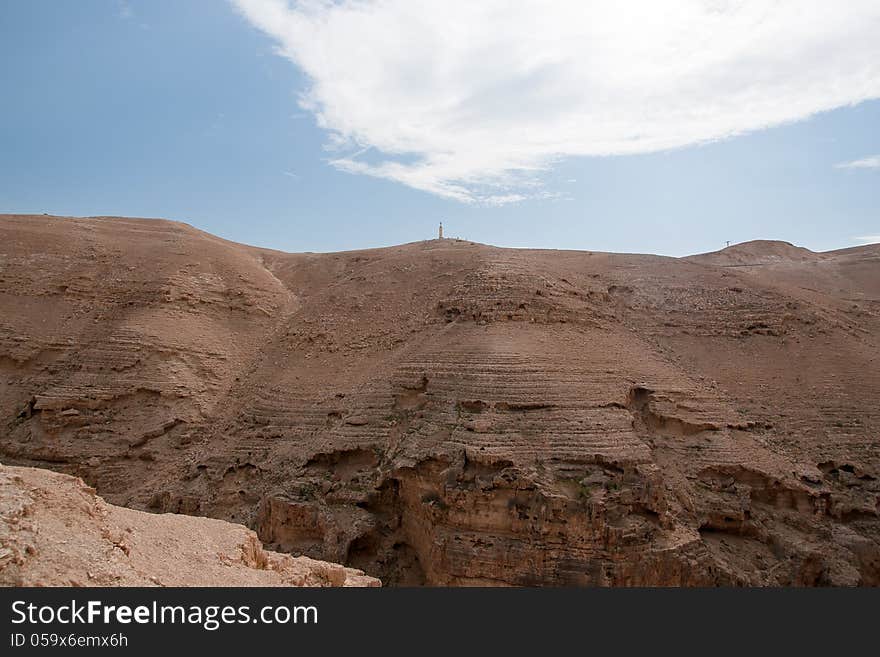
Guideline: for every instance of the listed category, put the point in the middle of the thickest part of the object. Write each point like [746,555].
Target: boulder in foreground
[56,531]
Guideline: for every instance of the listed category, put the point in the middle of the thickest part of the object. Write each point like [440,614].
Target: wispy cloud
[290,174]
[868,239]
[124,10]
[475,101]
[872,162]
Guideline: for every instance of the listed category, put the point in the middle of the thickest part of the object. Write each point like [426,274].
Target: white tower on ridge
[440,232]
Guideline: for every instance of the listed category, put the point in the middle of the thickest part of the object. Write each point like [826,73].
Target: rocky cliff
[55,531]
[446,412]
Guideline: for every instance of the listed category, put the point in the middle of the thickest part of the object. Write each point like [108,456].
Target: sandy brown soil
[55,531]
[446,412]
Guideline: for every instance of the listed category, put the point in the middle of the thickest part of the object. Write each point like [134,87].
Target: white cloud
[869,239]
[124,10]
[290,174]
[872,162]
[474,100]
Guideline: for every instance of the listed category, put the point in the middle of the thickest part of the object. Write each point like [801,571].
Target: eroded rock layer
[446,412]
[55,531]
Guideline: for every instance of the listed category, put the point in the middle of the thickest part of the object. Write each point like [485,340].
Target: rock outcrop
[55,531]
[451,413]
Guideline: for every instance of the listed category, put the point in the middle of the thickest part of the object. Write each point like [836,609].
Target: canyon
[449,413]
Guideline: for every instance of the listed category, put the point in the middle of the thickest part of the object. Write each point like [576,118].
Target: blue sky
[186,110]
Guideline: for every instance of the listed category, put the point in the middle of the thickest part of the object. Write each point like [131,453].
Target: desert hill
[446,412]
[757,252]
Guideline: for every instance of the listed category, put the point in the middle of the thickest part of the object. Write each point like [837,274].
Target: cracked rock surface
[55,531]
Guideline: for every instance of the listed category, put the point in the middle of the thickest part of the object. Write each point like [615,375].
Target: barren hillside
[445,412]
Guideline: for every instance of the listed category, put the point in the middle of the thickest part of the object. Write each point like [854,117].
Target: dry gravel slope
[445,412]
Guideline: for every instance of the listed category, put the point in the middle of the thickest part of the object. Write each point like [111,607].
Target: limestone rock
[55,531]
